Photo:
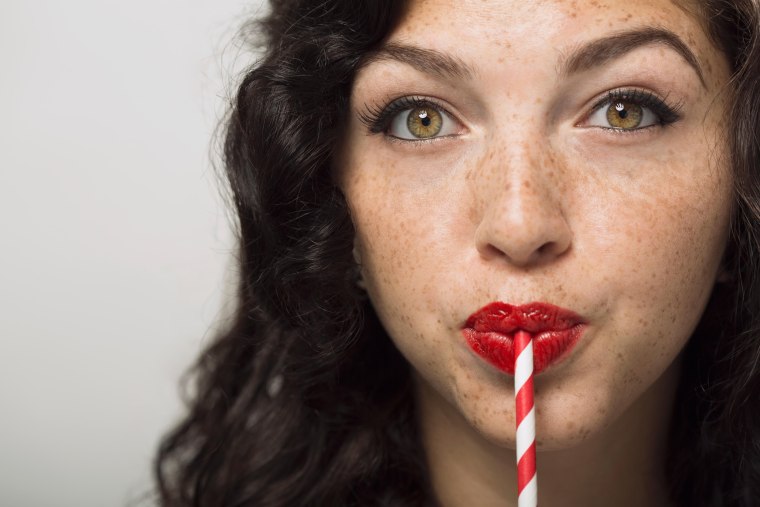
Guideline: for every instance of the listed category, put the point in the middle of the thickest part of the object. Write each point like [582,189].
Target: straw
[527,489]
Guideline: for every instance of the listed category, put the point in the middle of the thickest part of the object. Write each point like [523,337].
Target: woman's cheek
[665,243]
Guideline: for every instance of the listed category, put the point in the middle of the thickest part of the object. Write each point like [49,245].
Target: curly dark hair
[304,401]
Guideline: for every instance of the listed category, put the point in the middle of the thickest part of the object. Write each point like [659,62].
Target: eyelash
[668,114]
[377,119]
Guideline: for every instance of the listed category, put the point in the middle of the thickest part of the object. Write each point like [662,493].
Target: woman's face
[570,153]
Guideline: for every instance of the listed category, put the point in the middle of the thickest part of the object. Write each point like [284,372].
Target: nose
[522,219]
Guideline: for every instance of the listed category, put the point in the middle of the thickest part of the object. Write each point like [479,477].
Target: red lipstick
[490,333]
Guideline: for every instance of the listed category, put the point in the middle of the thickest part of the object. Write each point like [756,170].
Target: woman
[407,173]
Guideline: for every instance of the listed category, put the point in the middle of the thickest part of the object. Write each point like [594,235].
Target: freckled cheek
[403,265]
[389,243]
[402,237]
[399,281]
[668,250]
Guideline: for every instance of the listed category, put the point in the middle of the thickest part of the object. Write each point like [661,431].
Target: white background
[114,243]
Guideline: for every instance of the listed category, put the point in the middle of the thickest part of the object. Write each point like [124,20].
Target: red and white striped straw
[527,488]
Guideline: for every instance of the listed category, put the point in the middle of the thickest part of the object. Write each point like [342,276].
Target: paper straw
[527,488]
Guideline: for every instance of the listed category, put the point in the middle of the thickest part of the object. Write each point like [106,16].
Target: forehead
[518,34]
[496,17]
[476,28]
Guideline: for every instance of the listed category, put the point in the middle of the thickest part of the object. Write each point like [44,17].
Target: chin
[567,413]
[555,433]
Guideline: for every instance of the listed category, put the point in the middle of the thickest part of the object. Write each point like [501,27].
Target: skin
[527,201]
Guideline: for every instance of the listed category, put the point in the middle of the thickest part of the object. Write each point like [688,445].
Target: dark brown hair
[715,433]
[304,401]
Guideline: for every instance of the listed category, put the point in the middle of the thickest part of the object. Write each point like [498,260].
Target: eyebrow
[602,51]
[429,61]
[593,54]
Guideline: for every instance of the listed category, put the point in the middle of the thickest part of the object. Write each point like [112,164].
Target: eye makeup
[378,119]
[665,113]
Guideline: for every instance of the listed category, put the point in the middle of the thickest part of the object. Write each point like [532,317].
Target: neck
[622,465]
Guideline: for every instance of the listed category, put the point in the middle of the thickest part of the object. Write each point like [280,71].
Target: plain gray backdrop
[115,245]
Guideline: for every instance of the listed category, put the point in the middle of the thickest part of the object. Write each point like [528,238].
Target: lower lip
[549,347]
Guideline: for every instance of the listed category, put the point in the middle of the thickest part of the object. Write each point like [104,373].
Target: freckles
[663,344]
[631,379]
[555,164]
[577,431]
[690,40]
[709,70]
[478,402]
[472,214]
[572,428]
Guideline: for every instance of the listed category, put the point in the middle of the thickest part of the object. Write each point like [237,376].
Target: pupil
[623,114]
[424,118]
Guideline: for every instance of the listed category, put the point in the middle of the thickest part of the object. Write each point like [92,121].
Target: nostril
[546,248]
[523,257]
[490,251]
[552,248]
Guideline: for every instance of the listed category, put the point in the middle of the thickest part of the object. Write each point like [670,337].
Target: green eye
[419,121]
[624,115]
[424,122]
[626,110]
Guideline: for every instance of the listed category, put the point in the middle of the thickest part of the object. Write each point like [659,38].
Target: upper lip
[533,317]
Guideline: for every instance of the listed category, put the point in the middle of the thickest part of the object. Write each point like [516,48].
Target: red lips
[490,333]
